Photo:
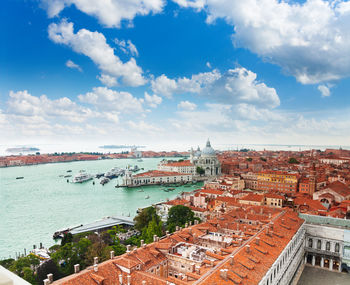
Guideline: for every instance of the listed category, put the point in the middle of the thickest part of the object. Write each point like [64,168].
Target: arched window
[310,242]
[328,245]
[319,244]
[337,247]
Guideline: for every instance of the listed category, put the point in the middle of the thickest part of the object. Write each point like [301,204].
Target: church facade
[207,160]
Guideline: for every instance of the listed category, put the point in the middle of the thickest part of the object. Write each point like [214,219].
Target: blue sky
[159,72]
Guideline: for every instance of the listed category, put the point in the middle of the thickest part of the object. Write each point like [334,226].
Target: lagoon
[33,208]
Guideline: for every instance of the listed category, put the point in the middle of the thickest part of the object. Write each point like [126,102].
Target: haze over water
[33,208]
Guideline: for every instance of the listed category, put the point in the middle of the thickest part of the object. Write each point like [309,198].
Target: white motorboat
[114,172]
[81,177]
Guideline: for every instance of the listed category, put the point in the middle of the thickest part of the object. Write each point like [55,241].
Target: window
[337,247]
[319,244]
[328,245]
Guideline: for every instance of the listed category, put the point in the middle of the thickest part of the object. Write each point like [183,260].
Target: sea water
[33,208]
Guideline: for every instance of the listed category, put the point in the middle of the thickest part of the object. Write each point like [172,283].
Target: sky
[175,72]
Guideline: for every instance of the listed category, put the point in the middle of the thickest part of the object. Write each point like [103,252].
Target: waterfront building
[155,177]
[184,166]
[207,160]
[279,181]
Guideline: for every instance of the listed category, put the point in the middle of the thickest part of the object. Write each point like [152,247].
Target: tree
[23,267]
[249,159]
[179,215]
[145,217]
[153,228]
[68,237]
[263,159]
[48,267]
[200,170]
[292,160]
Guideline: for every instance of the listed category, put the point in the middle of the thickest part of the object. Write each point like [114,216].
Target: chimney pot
[95,260]
[154,238]
[190,223]
[196,222]
[247,248]
[76,268]
[128,247]
[177,228]
[96,267]
[144,282]
[50,277]
[186,225]
[129,279]
[232,261]
[112,254]
[223,274]
[257,241]
[142,242]
[46,282]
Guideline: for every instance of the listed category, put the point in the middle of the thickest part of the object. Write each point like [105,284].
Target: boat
[114,173]
[134,169]
[104,181]
[81,177]
[99,175]
[19,177]
[171,189]
[140,190]
[140,160]
[165,190]
[67,176]
[147,197]
[69,170]
[60,175]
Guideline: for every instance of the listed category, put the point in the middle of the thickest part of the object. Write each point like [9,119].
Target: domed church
[207,160]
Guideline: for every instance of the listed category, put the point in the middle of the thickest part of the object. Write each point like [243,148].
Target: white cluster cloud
[109,12]
[309,40]
[71,64]
[325,90]
[187,105]
[162,85]
[31,109]
[108,80]
[94,45]
[153,100]
[127,47]
[236,86]
[110,100]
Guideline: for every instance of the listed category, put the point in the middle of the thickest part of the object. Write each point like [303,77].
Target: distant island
[22,149]
[121,146]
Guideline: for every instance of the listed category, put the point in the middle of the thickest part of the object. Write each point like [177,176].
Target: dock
[97,226]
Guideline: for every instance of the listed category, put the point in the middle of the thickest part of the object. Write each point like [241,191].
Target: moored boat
[81,177]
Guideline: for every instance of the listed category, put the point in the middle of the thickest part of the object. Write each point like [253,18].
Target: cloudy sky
[167,72]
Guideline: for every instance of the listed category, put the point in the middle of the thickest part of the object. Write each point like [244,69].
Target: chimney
[212,263]
[46,282]
[154,238]
[129,279]
[142,242]
[180,229]
[186,225]
[96,267]
[257,241]
[198,270]
[232,261]
[190,231]
[120,279]
[247,248]
[50,277]
[128,248]
[190,223]
[177,228]
[283,221]
[111,254]
[223,274]
[193,267]
[95,260]
[271,226]
[196,222]
[144,282]
[76,268]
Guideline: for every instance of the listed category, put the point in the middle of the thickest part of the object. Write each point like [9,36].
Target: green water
[33,208]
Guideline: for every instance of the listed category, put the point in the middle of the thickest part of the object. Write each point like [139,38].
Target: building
[184,166]
[252,199]
[155,177]
[250,180]
[250,245]
[207,160]
[279,181]
[9,278]
[336,192]
[273,200]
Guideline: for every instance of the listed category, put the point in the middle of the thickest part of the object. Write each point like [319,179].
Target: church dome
[208,150]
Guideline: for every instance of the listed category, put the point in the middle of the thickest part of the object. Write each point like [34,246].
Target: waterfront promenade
[40,204]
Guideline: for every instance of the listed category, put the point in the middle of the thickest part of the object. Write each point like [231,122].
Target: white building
[155,177]
[207,160]
[184,166]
